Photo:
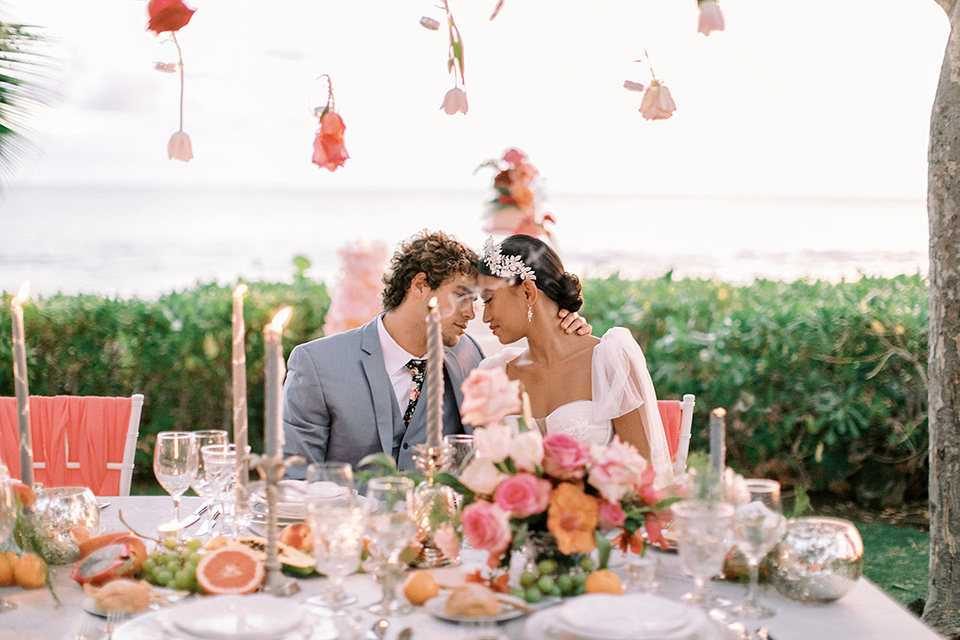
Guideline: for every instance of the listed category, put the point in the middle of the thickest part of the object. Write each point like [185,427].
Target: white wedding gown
[620,383]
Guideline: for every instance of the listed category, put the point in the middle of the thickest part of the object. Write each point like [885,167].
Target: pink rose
[329,151]
[514,156]
[711,17]
[526,450]
[564,456]
[168,15]
[492,442]
[657,103]
[486,527]
[179,147]
[523,495]
[488,396]
[617,468]
[611,515]
[455,100]
[481,476]
[447,541]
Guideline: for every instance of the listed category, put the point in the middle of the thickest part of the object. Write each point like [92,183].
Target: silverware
[90,629]
[206,526]
[114,619]
[103,505]
[194,517]
[379,629]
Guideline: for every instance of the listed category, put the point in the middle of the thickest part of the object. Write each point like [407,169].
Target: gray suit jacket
[339,404]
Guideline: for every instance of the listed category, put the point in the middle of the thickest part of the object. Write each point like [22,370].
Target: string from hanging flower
[657,103]
[455,99]
[329,151]
[169,16]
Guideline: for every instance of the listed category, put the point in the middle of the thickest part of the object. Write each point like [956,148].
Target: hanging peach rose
[328,149]
[711,17]
[179,147]
[657,103]
[168,15]
[454,101]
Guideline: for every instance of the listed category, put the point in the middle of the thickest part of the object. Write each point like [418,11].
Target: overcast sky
[813,98]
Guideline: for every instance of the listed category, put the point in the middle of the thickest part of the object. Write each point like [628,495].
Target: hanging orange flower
[328,148]
[572,519]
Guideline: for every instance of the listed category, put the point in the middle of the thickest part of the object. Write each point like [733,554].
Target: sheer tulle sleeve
[622,383]
[500,360]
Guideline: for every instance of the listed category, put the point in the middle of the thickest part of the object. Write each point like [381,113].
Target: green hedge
[819,379]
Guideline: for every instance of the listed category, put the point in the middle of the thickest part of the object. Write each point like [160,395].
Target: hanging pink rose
[657,103]
[329,151]
[611,515]
[488,396]
[523,495]
[168,15]
[526,450]
[454,101]
[564,456]
[486,527]
[481,476]
[711,17]
[179,147]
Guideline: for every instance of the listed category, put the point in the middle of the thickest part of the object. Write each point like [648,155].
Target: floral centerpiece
[514,207]
[551,495]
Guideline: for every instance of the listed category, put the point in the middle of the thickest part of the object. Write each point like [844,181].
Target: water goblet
[702,528]
[8,516]
[640,573]
[175,465]
[757,527]
[330,480]
[202,481]
[337,525]
[221,464]
[461,445]
[391,525]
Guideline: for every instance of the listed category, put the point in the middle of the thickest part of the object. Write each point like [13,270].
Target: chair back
[78,441]
[677,417]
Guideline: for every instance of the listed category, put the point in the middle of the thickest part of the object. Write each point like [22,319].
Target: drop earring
[529,314]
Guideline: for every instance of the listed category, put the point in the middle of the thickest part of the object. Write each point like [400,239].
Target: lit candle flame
[23,294]
[720,412]
[281,318]
[432,304]
[240,290]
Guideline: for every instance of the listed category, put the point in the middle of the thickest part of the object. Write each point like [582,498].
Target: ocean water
[148,241]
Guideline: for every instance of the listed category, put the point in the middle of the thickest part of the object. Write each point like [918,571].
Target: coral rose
[168,15]
[489,396]
[25,495]
[564,456]
[481,476]
[329,151]
[179,147]
[572,519]
[486,527]
[523,495]
[657,103]
[711,17]
[455,100]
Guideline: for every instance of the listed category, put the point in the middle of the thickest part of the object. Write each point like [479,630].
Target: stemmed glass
[174,465]
[221,464]
[202,481]
[330,480]
[337,526]
[391,524]
[461,444]
[757,526]
[8,516]
[703,538]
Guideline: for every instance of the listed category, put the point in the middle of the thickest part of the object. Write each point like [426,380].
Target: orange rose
[168,15]
[328,149]
[572,519]
[25,495]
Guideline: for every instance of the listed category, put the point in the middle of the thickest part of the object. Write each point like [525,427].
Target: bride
[590,388]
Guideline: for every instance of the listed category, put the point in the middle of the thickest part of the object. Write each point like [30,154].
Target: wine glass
[221,465]
[330,480]
[202,481]
[703,538]
[337,525]
[757,526]
[462,445]
[391,525]
[8,516]
[174,465]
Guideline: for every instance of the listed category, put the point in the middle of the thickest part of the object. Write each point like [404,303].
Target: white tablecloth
[865,613]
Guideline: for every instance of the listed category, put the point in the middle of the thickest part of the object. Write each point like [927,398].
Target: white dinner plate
[510,609]
[252,617]
[630,617]
[546,625]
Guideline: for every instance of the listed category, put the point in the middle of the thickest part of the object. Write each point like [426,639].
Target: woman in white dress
[590,388]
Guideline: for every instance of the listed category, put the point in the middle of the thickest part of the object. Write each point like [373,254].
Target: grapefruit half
[233,569]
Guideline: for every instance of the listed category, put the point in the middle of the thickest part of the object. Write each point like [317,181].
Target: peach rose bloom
[488,396]
[711,17]
[179,147]
[329,151]
[572,519]
[455,100]
[657,103]
[481,476]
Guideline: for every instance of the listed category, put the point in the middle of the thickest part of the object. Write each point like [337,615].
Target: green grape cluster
[550,580]
[174,566]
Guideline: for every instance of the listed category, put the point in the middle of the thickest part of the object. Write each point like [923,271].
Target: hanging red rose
[168,15]
[328,149]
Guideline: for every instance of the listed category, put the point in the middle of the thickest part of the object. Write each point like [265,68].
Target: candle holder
[436,506]
[272,469]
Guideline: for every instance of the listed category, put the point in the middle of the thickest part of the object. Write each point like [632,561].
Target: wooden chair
[677,417]
[86,441]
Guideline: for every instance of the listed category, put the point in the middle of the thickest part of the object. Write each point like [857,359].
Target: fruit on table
[30,571]
[233,569]
[603,581]
[92,544]
[7,560]
[174,566]
[298,535]
[107,563]
[126,596]
[420,586]
[292,561]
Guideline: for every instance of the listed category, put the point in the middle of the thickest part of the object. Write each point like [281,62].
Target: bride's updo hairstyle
[558,285]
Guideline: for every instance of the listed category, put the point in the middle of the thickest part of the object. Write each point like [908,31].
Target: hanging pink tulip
[711,17]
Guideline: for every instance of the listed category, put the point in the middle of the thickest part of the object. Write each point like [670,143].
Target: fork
[90,629]
[114,619]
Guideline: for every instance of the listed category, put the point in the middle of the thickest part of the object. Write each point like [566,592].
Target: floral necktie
[418,368]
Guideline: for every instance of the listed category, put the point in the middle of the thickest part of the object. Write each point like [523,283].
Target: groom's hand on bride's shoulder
[574,323]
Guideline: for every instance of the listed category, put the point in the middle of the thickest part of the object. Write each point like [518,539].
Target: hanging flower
[657,103]
[711,17]
[168,15]
[454,101]
[328,149]
[179,147]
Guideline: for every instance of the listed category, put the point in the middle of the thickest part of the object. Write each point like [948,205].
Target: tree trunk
[942,611]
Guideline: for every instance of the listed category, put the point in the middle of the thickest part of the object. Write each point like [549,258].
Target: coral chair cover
[670,415]
[77,441]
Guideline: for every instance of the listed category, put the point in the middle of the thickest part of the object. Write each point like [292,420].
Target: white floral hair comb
[505,266]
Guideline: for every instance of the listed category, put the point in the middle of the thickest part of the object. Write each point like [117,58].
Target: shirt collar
[395,357]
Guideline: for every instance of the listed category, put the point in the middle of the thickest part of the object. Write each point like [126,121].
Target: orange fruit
[603,581]
[230,569]
[30,572]
[7,559]
[419,587]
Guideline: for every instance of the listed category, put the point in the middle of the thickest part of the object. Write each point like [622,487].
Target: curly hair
[435,254]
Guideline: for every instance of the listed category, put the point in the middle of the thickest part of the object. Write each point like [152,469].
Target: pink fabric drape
[670,414]
[95,427]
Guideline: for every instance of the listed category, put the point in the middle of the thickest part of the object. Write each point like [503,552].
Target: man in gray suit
[356,393]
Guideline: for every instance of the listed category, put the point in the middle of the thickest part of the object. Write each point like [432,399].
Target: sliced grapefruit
[232,569]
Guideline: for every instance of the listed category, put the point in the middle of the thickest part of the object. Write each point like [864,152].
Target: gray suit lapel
[380,387]
[455,373]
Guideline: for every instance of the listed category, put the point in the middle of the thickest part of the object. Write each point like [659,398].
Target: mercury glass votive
[818,560]
[63,517]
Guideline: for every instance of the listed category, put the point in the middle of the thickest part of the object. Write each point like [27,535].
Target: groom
[356,393]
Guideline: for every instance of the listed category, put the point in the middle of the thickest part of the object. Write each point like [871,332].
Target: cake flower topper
[169,16]
[505,266]
[329,151]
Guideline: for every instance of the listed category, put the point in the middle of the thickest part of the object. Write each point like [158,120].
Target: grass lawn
[896,559]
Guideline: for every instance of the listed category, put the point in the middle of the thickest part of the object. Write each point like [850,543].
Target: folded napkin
[630,617]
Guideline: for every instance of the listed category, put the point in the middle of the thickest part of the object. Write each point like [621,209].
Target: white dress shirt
[395,359]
